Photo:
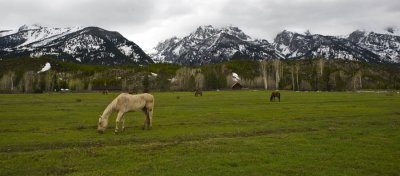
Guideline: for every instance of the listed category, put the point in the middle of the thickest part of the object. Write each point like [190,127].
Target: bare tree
[321,64]
[357,77]
[264,72]
[292,71]
[49,80]
[7,81]
[360,78]
[199,79]
[187,78]
[27,81]
[297,75]
[277,67]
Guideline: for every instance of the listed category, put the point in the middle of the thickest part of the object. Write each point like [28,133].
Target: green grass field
[220,133]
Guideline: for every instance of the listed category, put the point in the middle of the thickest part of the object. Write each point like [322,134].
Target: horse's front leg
[123,123]
[119,122]
[146,120]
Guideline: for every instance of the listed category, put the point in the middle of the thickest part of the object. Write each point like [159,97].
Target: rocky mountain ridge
[214,45]
[90,45]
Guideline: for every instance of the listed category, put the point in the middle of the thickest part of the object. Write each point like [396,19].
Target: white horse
[127,103]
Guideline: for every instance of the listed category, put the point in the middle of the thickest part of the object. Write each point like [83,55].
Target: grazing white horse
[127,103]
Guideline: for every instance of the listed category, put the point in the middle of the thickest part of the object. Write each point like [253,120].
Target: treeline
[297,75]
[21,75]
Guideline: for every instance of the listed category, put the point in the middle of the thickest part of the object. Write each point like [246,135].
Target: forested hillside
[22,75]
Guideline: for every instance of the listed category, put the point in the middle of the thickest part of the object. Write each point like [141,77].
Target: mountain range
[206,45]
[213,45]
[90,45]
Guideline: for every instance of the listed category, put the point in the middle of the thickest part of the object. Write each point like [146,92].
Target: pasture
[219,133]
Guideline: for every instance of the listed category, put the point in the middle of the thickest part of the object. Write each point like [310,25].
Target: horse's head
[102,125]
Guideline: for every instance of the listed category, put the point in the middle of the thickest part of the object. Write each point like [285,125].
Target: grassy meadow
[220,133]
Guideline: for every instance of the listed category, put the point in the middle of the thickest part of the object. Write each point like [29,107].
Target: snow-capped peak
[208,44]
[42,35]
[207,31]
[392,31]
[30,27]
[205,28]
[235,31]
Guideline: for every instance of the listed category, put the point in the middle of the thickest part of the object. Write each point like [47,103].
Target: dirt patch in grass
[60,170]
[84,127]
[63,110]
[152,143]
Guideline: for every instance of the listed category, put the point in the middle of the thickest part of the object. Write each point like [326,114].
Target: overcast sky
[146,22]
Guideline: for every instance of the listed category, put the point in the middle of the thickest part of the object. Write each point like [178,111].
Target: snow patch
[172,80]
[7,32]
[284,49]
[126,50]
[235,77]
[177,49]
[242,48]
[39,54]
[46,67]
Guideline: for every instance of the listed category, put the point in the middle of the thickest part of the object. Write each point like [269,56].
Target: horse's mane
[110,108]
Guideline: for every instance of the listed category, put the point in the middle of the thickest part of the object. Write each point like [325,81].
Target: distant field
[220,133]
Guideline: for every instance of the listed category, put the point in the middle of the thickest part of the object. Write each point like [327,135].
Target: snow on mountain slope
[36,35]
[386,45]
[296,46]
[7,32]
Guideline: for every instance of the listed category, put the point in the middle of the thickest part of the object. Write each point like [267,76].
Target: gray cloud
[147,22]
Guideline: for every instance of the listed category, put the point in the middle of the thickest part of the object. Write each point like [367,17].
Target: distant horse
[198,92]
[124,103]
[275,94]
[105,92]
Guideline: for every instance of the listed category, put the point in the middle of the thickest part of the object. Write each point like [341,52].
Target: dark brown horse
[275,94]
[198,92]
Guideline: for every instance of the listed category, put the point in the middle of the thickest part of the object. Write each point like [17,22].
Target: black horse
[198,92]
[275,94]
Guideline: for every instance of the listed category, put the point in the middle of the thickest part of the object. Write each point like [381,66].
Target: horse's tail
[149,101]
[149,108]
